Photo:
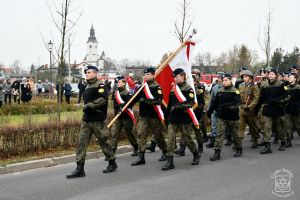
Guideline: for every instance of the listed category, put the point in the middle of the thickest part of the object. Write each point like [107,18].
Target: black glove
[246,108]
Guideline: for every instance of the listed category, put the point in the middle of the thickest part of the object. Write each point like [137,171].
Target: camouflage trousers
[214,124]
[295,119]
[278,124]
[101,134]
[230,125]
[185,131]
[289,126]
[124,126]
[198,134]
[251,121]
[153,126]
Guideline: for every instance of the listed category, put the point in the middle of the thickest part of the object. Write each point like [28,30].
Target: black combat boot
[196,158]
[228,141]
[282,145]
[288,143]
[216,156]
[200,147]
[210,144]
[151,146]
[141,160]
[78,172]
[267,149]
[163,156]
[181,150]
[169,165]
[135,151]
[239,152]
[255,144]
[112,166]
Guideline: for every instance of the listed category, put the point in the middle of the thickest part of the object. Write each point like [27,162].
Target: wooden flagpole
[161,67]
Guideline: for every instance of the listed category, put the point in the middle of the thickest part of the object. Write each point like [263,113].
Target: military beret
[149,70]
[248,73]
[294,67]
[273,70]
[269,68]
[177,71]
[242,69]
[293,74]
[90,67]
[226,75]
[119,77]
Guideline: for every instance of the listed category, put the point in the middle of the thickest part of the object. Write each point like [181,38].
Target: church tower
[92,56]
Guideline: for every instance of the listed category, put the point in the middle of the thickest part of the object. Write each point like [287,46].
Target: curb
[49,162]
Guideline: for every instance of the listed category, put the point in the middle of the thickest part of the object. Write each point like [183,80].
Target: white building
[92,57]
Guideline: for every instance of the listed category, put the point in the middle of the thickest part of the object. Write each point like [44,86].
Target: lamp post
[50,47]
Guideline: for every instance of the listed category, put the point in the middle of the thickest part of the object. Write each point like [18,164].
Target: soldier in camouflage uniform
[179,119]
[95,111]
[272,100]
[148,118]
[227,105]
[249,93]
[201,134]
[293,107]
[124,122]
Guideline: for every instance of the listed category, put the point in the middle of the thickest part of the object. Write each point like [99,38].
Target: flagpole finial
[193,33]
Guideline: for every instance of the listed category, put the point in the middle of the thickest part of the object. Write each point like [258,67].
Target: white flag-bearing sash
[157,108]
[181,98]
[129,111]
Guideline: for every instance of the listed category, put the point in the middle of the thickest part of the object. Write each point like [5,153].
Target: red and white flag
[182,60]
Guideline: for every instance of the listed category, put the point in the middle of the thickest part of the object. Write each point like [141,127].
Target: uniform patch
[201,91]
[285,87]
[237,92]
[191,95]
[159,92]
[101,90]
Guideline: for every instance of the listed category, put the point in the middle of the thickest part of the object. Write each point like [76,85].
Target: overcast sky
[142,29]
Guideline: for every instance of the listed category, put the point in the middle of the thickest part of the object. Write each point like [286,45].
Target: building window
[90,46]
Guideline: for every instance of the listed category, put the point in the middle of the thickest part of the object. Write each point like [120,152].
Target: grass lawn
[39,118]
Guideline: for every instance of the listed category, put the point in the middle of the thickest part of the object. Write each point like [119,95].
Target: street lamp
[50,47]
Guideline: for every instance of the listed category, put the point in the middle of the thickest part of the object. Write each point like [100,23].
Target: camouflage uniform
[179,120]
[95,111]
[273,97]
[249,99]
[226,103]
[123,123]
[149,121]
[293,110]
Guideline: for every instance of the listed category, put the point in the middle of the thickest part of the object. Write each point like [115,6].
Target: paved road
[246,178]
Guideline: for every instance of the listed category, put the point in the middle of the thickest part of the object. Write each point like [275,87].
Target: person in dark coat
[67,91]
[81,87]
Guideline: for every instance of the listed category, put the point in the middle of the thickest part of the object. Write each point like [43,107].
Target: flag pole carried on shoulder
[161,67]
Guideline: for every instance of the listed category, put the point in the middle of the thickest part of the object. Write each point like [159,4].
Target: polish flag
[182,60]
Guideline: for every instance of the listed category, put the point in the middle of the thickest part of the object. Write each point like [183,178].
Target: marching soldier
[201,134]
[150,117]
[125,121]
[226,103]
[249,93]
[272,100]
[181,98]
[295,70]
[94,113]
[293,107]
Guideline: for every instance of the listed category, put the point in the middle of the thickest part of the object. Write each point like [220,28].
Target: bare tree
[265,43]
[184,22]
[61,14]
